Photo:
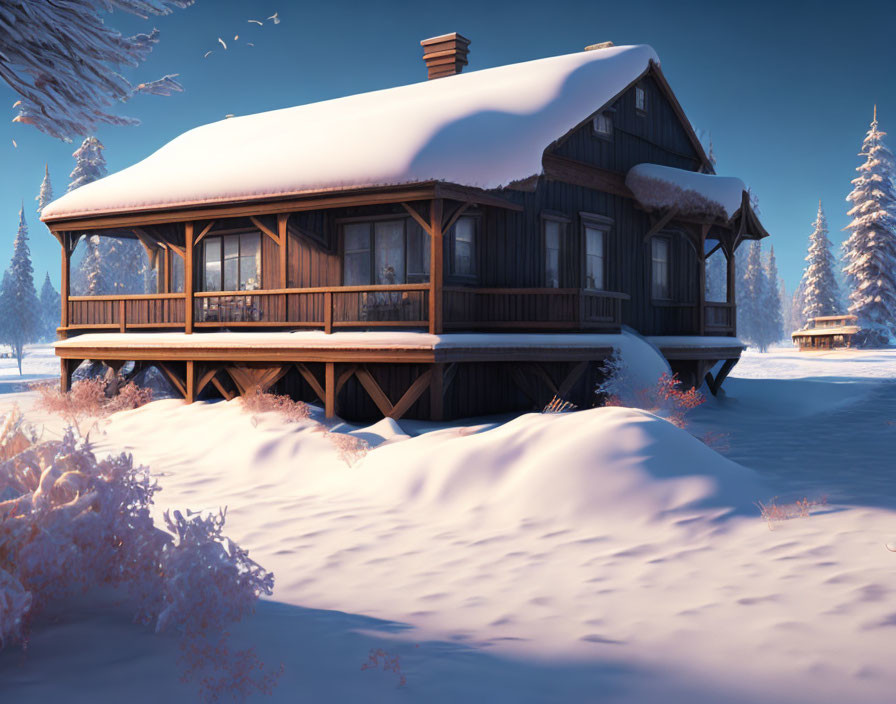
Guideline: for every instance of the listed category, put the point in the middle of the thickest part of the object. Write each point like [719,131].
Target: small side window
[603,125]
[660,283]
[640,99]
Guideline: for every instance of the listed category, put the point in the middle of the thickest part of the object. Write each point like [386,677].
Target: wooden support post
[437,392]
[188,278]
[282,219]
[190,383]
[436,266]
[66,367]
[701,262]
[330,389]
[66,278]
[328,312]
[165,271]
[730,293]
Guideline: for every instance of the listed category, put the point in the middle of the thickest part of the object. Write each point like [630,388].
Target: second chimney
[445,55]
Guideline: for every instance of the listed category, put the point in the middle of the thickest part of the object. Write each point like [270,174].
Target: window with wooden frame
[232,262]
[640,99]
[660,272]
[386,251]
[595,256]
[554,237]
[462,246]
[176,275]
[602,124]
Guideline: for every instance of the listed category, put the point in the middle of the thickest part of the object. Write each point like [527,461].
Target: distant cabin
[827,332]
[471,244]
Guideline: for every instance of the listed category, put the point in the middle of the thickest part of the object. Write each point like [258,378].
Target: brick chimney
[445,55]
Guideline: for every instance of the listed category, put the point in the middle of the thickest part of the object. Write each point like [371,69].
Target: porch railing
[719,318]
[158,310]
[335,307]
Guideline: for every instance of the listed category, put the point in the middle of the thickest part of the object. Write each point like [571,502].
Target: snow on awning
[689,192]
[483,129]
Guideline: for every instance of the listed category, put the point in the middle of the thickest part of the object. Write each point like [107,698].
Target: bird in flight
[258,22]
[206,55]
[275,18]
[221,42]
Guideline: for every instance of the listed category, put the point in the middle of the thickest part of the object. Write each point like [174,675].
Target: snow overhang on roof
[484,129]
[688,192]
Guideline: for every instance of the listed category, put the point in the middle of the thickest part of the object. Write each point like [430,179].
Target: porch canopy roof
[708,197]
[485,129]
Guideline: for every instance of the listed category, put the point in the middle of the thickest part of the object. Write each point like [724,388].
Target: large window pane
[660,268]
[212,264]
[231,262]
[177,274]
[389,251]
[418,250]
[250,261]
[552,237]
[594,258]
[356,267]
[465,246]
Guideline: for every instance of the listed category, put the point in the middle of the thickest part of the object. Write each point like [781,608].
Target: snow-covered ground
[40,362]
[602,556]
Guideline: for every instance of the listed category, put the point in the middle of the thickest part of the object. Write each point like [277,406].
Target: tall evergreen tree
[772,323]
[749,313]
[90,164]
[870,249]
[18,300]
[46,190]
[797,303]
[50,309]
[821,294]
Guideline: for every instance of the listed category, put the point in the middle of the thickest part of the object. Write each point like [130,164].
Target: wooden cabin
[827,332]
[467,245]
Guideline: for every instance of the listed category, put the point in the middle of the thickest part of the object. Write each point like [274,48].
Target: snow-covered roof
[821,332]
[483,129]
[689,192]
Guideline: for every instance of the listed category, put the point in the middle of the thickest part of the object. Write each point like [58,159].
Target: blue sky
[786,89]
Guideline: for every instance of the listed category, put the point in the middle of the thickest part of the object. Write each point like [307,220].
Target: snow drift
[603,464]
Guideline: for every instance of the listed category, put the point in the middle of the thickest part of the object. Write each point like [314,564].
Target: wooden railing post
[328,312]
[66,277]
[188,278]
[122,313]
[436,266]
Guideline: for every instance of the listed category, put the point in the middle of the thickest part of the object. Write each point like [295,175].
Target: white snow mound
[604,463]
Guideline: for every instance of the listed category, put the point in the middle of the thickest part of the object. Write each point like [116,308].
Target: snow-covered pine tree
[870,249]
[821,294]
[786,311]
[50,310]
[772,323]
[18,300]
[797,319]
[63,59]
[46,190]
[90,164]
[749,313]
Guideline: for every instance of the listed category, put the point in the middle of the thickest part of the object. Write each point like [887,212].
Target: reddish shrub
[291,411]
[390,663]
[773,512]
[87,401]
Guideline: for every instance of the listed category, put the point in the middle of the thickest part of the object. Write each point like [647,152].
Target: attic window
[603,125]
[640,99]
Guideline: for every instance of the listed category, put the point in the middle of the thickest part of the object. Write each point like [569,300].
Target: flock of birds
[274,18]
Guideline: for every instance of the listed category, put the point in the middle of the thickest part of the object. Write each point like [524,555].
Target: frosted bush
[291,411]
[89,400]
[665,398]
[70,522]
